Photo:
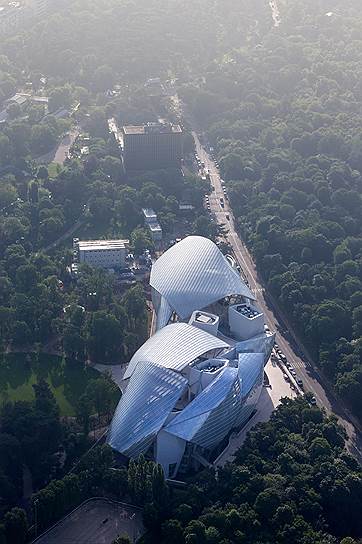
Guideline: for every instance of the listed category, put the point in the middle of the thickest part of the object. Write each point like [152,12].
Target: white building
[199,377]
[151,222]
[103,253]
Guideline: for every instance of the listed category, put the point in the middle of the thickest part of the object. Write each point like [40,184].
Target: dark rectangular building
[152,146]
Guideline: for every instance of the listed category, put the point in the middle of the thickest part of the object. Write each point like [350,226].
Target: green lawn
[54,169]
[18,372]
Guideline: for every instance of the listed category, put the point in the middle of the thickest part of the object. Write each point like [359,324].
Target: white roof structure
[149,398]
[96,245]
[163,314]
[193,274]
[188,388]
[175,346]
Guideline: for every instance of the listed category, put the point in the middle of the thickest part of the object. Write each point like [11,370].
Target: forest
[282,108]
[285,118]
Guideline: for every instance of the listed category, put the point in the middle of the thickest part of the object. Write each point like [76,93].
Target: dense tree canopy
[284,114]
[282,108]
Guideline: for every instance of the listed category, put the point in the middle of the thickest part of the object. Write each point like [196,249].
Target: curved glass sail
[175,346]
[150,396]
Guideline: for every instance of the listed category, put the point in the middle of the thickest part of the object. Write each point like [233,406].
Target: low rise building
[151,222]
[102,253]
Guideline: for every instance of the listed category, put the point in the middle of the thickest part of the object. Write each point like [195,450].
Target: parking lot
[97,521]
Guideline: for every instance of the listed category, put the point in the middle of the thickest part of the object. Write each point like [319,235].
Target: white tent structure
[189,385]
[190,276]
[175,346]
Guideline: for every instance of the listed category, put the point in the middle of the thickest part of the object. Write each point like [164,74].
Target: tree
[159,487]
[11,459]
[21,333]
[188,143]
[141,240]
[5,150]
[122,539]
[104,337]
[83,412]
[26,278]
[112,166]
[172,531]
[8,194]
[14,110]
[134,303]
[73,343]
[357,321]
[103,78]
[60,97]
[267,503]
[232,166]
[42,173]
[16,526]
[101,393]
[43,139]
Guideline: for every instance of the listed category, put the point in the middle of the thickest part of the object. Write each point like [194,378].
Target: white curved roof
[193,274]
[164,313]
[175,346]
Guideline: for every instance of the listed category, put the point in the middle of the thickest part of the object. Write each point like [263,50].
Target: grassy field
[54,169]
[19,371]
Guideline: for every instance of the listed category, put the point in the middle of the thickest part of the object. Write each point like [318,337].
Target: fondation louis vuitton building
[199,376]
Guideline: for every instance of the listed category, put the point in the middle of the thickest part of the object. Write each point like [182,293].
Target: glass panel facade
[149,398]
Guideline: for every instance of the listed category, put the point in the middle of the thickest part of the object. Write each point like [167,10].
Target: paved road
[60,152]
[286,339]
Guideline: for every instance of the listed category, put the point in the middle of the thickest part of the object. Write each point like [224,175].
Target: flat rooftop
[149,213]
[98,521]
[203,318]
[154,227]
[247,311]
[152,128]
[96,245]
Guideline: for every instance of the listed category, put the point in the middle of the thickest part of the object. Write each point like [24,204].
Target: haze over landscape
[181,271]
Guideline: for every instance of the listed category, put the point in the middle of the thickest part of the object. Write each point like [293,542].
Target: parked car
[300,383]
[313,401]
[283,357]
